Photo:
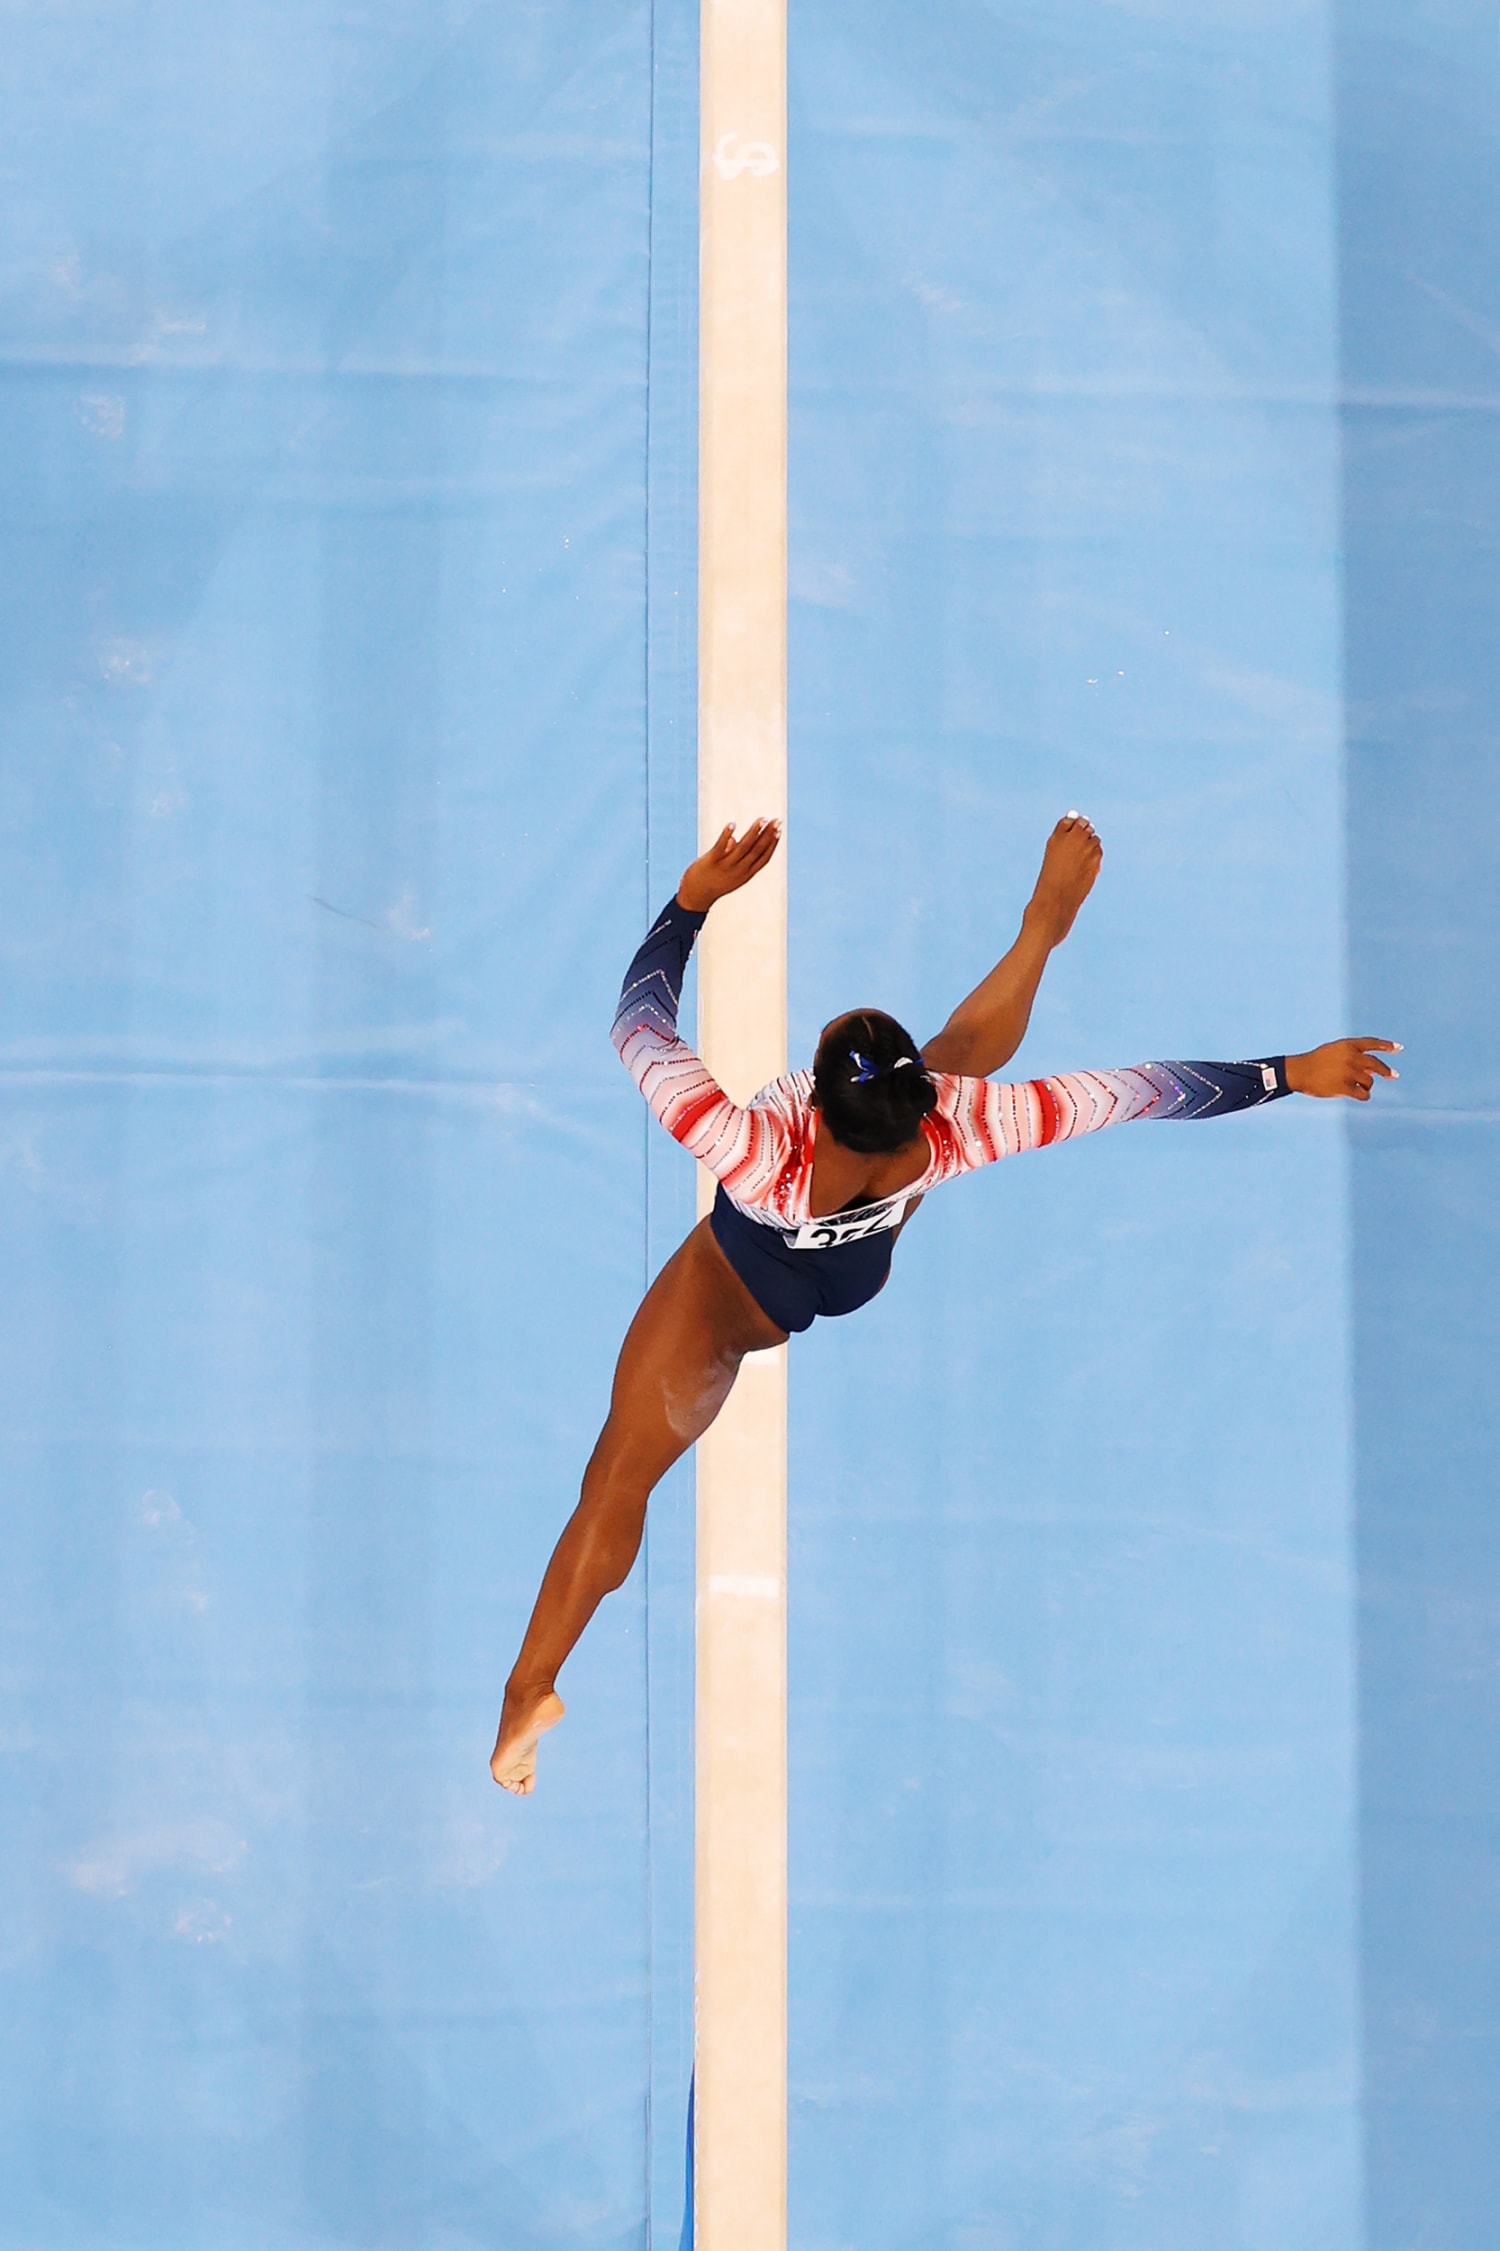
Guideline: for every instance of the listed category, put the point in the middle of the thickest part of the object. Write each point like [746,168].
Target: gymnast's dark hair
[872,1087]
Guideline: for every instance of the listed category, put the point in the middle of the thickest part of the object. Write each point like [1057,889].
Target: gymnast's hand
[729,862]
[1347,1067]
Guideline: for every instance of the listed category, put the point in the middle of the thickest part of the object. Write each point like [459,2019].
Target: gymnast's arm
[736,1144]
[988,1119]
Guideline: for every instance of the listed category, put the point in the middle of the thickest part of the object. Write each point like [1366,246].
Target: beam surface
[740,2156]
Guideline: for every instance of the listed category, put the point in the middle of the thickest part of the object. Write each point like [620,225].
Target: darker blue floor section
[687,2210]
[1419,169]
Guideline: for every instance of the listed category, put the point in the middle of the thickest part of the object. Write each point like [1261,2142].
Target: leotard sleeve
[978,1121]
[744,1148]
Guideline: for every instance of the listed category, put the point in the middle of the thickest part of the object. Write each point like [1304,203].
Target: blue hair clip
[864,1069]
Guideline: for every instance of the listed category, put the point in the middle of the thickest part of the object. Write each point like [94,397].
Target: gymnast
[816,1179]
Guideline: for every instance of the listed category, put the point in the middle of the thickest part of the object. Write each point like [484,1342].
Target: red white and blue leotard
[761,1153]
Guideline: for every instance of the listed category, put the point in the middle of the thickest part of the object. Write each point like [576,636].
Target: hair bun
[872,1086]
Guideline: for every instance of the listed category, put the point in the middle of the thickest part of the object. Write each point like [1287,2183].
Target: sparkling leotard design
[761,1153]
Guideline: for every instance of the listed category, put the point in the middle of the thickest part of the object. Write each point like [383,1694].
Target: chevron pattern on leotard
[762,1151]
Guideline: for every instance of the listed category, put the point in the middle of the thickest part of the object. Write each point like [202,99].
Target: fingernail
[1399,1049]
[1395,1074]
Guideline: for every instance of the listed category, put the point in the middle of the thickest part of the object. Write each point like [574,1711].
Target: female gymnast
[817,1178]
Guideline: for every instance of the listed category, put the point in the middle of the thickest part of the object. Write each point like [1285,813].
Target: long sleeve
[742,1147]
[985,1121]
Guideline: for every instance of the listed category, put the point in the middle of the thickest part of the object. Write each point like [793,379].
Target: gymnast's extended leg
[677,1367]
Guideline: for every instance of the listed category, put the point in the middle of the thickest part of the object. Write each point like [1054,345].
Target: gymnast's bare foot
[1069,866]
[525,1719]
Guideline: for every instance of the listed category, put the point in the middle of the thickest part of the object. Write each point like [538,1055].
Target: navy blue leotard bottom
[793,1287]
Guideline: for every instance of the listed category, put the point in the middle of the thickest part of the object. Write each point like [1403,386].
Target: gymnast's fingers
[757,859]
[733,848]
[757,844]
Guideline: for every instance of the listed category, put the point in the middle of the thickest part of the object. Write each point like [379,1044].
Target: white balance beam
[740,2140]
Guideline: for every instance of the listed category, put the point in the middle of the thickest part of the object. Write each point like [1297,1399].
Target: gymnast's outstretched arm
[985,1030]
[987,1119]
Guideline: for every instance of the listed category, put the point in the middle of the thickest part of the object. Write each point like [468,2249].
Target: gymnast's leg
[677,1367]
